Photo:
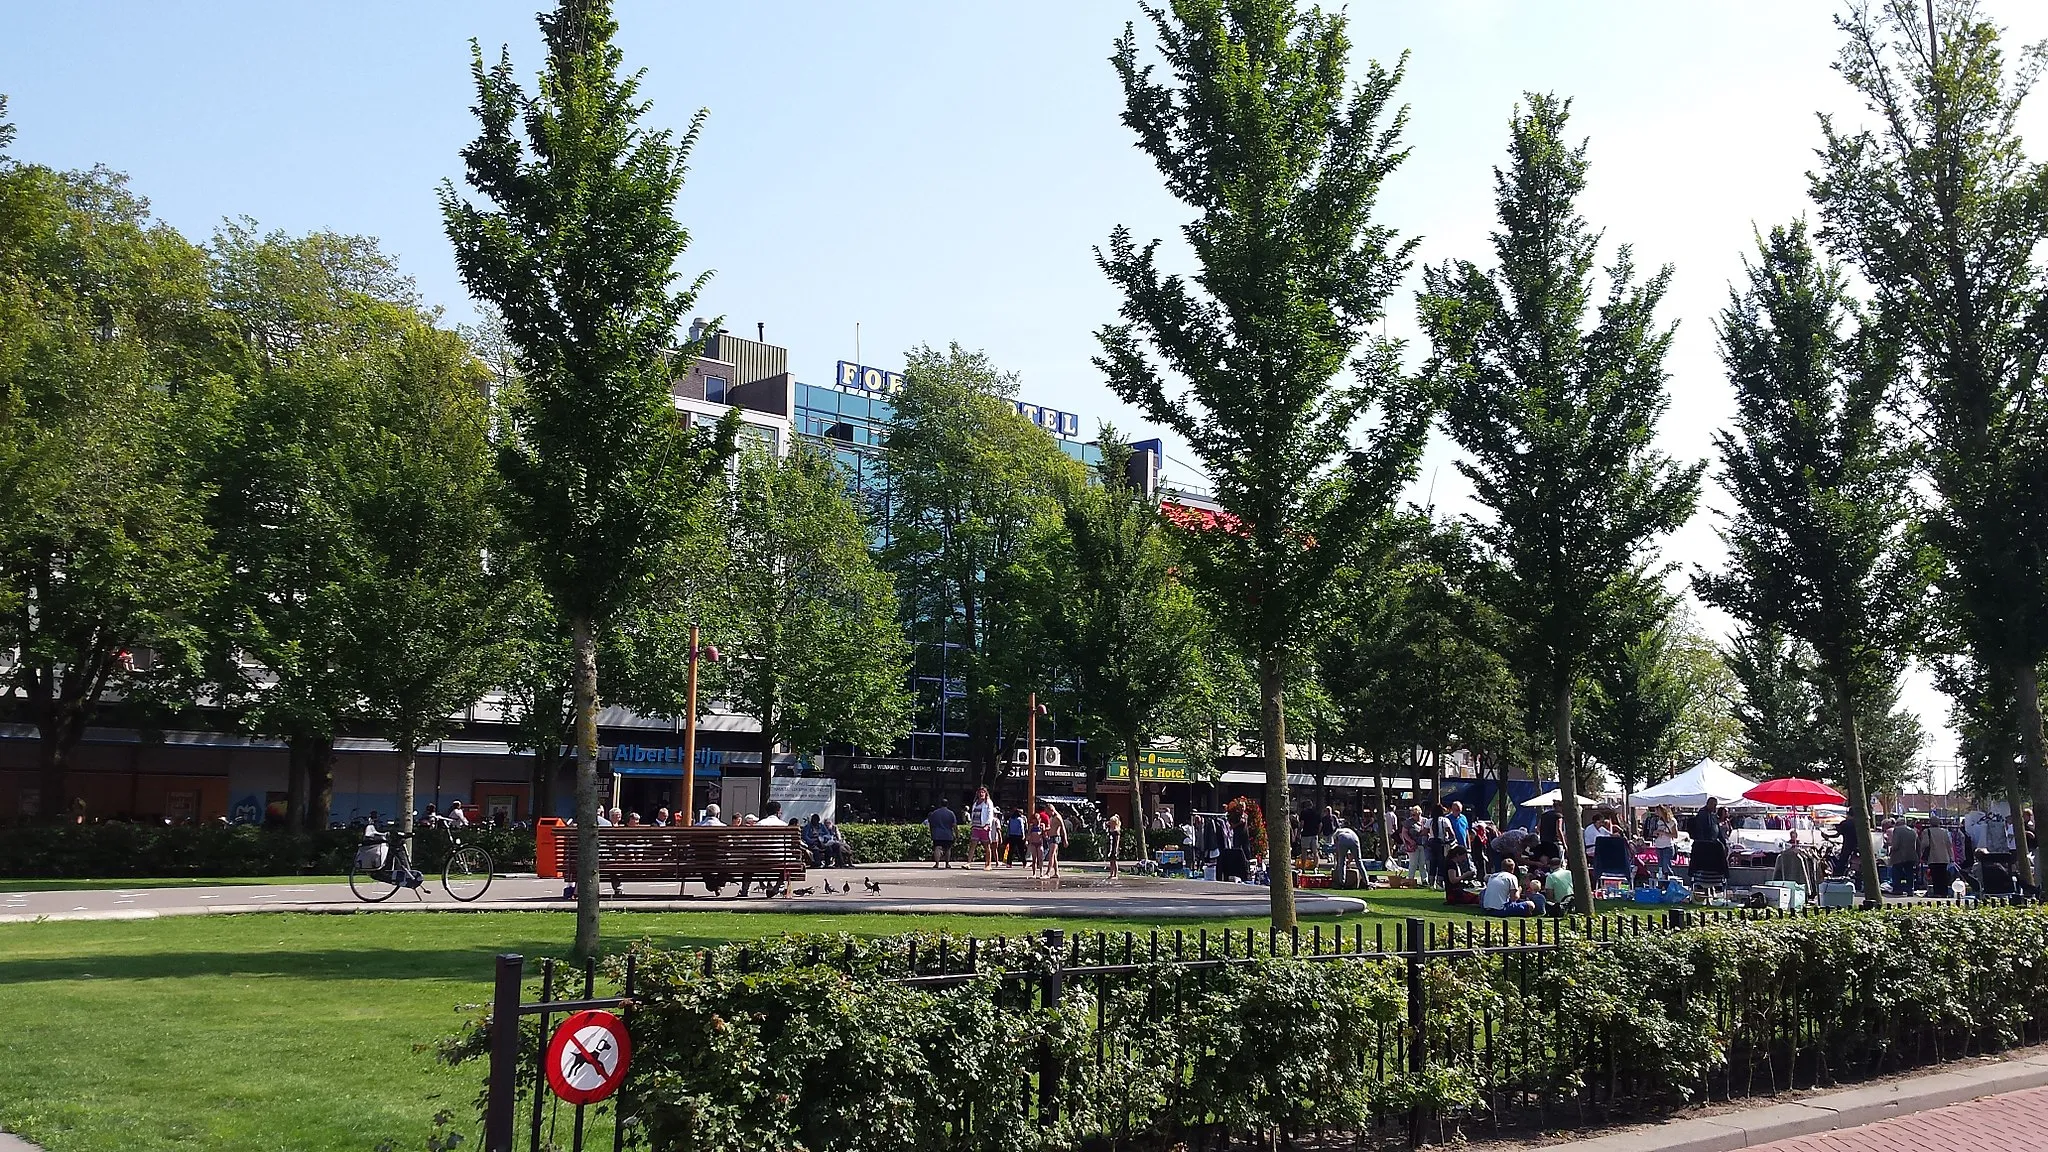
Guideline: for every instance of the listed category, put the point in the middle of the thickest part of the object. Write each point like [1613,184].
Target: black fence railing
[1535,1059]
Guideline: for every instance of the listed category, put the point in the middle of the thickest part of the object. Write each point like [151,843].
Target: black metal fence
[1536,1058]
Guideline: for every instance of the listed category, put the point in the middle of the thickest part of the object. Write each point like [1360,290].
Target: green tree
[814,647]
[1889,736]
[1945,217]
[1281,158]
[1819,542]
[425,620]
[1559,420]
[976,489]
[574,243]
[315,319]
[1707,728]
[107,361]
[1635,701]
[1126,623]
[1778,708]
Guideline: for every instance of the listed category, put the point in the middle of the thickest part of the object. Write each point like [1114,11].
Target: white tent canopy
[1694,787]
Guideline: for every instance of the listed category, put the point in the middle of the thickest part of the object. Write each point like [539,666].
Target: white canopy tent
[1694,787]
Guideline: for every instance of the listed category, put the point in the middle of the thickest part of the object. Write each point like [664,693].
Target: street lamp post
[1031,713]
[708,652]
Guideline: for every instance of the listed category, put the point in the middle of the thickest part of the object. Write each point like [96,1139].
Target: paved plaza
[2015,1120]
[1085,892]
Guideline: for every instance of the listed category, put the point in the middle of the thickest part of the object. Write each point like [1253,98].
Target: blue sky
[939,172]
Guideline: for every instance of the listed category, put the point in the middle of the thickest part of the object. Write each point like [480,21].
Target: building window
[714,389]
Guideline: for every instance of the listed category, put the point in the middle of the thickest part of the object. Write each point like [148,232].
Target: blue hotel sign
[861,378]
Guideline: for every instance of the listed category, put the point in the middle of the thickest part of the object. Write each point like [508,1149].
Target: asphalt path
[895,888]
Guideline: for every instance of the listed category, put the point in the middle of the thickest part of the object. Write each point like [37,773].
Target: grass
[160,882]
[299,1031]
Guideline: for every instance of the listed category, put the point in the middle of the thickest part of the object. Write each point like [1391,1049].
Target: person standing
[1054,838]
[1113,830]
[942,823]
[1461,826]
[1904,859]
[1013,839]
[982,815]
[1415,843]
[1939,852]
[1661,827]
[1443,836]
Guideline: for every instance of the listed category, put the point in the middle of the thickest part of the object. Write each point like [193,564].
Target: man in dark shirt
[942,822]
[1706,823]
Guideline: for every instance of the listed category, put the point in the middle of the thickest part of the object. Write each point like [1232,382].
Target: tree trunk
[545,762]
[1379,776]
[55,755]
[295,785]
[1859,792]
[768,742]
[320,785]
[2027,687]
[1279,850]
[1568,795]
[586,787]
[309,780]
[1137,797]
[408,764]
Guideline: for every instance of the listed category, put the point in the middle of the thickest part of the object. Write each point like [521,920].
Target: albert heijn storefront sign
[862,378]
[660,760]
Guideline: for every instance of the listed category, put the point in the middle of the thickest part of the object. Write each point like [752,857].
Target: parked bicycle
[381,866]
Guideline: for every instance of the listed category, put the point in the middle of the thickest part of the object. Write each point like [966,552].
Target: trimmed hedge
[809,1041]
[140,851]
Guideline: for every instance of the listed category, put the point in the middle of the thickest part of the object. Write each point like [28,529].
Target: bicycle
[375,875]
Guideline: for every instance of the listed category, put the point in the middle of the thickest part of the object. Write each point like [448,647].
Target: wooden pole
[1031,741]
[690,739]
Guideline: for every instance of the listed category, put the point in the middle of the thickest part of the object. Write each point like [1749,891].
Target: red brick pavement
[2016,1120]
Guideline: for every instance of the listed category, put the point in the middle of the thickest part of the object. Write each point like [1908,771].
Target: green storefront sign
[1162,764]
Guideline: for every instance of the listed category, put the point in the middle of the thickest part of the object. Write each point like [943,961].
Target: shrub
[889,843]
[813,1042]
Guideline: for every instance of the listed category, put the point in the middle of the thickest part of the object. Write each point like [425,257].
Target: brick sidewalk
[1990,1123]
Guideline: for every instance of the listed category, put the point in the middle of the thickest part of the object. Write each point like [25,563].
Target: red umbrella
[1792,792]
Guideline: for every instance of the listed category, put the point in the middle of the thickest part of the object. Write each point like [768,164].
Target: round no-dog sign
[587,1058]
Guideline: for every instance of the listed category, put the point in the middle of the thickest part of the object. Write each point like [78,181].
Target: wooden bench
[710,854]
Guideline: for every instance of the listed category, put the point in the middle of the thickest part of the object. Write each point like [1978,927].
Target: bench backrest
[752,846]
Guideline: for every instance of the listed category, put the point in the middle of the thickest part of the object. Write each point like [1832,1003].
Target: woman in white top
[982,815]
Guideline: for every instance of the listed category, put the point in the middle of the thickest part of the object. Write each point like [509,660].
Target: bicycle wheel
[468,874]
[374,884]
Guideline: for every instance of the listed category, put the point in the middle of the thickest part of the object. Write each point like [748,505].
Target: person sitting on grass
[1511,894]
[1557,887]
[1460,877]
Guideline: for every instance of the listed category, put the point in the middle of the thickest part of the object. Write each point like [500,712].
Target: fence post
[1050,986]
[1674,917]
[1418,1009]
[503,1083]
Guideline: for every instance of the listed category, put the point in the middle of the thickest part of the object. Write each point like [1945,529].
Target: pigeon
[801,891]
[828,886]
[871,885]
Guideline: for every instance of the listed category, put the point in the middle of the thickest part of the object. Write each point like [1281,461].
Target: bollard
[504,1089]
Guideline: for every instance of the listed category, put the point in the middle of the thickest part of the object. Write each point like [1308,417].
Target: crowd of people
[1006,837]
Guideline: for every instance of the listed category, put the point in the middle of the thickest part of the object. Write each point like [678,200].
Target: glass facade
[853,426]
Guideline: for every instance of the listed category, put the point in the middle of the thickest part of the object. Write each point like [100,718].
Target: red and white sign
[587,1058]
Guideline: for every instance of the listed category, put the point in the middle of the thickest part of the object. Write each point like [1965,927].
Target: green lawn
[161,882]
[295,1031]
